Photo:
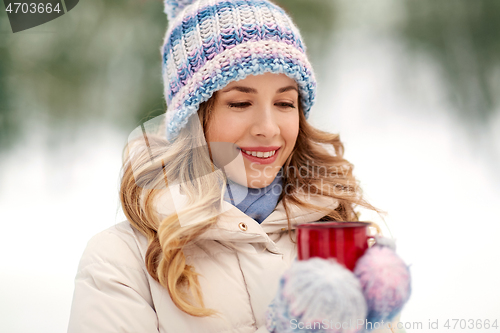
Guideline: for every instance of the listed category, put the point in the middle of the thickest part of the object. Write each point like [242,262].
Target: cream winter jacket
[115,293]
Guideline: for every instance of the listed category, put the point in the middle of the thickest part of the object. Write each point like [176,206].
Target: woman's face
[260,115]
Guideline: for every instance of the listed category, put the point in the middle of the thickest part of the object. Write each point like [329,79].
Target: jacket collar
[235,226]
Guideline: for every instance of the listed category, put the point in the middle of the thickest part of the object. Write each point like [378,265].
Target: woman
[213,200]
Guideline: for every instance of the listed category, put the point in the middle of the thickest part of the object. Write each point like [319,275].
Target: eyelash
[245,104]
[238,105]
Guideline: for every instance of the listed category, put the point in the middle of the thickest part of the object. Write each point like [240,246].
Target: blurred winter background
[413,87]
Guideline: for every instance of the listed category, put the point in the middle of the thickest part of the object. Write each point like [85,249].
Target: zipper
[248,294]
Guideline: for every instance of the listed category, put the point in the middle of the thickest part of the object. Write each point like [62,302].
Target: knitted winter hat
[210,43]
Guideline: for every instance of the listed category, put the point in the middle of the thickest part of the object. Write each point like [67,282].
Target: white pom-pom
[322,295]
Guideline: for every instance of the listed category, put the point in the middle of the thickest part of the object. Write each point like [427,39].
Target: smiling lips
[260,154]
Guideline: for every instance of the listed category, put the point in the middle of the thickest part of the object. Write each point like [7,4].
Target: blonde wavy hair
[149,162]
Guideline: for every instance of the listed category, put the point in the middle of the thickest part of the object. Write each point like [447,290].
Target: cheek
[225,128]
[292,129]
[211,132]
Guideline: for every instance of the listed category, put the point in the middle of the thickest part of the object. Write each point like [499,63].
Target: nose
[265,123]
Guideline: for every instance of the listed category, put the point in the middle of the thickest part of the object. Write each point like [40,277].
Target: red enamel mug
[344,241]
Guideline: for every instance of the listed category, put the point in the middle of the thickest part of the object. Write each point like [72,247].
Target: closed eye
[239,105]
[286,105]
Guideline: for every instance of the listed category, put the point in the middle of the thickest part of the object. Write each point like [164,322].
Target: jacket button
[242,226]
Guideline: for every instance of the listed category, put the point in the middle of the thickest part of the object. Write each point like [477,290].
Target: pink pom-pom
[385,281]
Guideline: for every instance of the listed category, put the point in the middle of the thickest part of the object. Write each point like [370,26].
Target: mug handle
[371,238]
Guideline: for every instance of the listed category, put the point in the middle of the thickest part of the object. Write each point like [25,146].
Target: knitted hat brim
[234,64]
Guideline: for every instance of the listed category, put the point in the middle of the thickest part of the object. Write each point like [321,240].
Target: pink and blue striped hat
[210,43]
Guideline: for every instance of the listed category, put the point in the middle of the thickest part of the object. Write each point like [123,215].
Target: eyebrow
[242,89]
[249,90]
[285,89]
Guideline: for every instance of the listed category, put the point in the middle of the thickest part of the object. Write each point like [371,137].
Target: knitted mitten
[385,281]
[313,296]
[320,295]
